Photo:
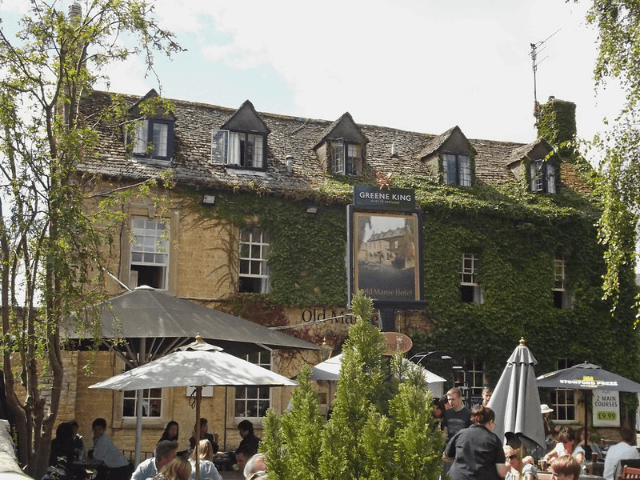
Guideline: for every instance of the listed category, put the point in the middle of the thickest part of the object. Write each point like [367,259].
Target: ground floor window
[475,382]
[564,401]
[151,403]
[253,401]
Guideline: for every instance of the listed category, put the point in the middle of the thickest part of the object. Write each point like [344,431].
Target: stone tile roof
[195,123]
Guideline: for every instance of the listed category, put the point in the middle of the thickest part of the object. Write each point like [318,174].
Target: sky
[418,65]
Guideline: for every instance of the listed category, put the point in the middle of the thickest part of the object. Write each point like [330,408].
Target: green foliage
[360,441]
[52,250]
[619,59]
[516,233]
[557,122]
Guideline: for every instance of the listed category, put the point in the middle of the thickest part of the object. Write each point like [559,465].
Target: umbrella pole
[141,360]
[198,398]
[224,434]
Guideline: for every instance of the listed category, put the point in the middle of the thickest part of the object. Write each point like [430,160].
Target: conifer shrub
[381,425]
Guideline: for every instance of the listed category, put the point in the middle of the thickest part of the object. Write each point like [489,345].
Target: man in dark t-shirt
[457,417]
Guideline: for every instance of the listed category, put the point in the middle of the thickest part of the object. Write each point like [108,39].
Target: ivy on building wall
[516,234]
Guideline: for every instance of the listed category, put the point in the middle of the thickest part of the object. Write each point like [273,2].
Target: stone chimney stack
[557,121]
[75,12]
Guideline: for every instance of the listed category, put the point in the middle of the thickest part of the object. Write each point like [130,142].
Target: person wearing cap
[550,430]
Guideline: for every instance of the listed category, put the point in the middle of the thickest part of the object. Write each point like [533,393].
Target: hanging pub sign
[394,198]
[384,231]
[606,408]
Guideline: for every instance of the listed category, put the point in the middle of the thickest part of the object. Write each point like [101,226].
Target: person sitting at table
[256,467]
[171,432]
[624,450]
[529,471]
[565,467]
[243,454]
[567,446]
[164,453]
[245,429]
[584,440]
[78,444]
[550,430]
[61,454]
[207,468]
[204,435]
[115,465]
[176,469]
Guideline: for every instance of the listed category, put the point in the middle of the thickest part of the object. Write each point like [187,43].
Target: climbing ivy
[516,234]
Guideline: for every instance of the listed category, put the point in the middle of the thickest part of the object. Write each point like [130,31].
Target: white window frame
[560,282]
[253,253]
[469,275]
[150,397]
[226,149]
[562,408]
[254,395]
[337,157]
[475,368]
[150,243]
[543,176]
[352,154]
[345,157]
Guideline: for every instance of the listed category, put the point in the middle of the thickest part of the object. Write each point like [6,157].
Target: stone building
[255,225]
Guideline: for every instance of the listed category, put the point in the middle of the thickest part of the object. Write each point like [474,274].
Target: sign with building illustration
[606,408]
[385,258]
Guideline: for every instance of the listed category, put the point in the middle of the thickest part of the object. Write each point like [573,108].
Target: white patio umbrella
[196,365]
[330,370]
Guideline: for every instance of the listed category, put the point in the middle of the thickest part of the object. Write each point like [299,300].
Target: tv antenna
[535,50]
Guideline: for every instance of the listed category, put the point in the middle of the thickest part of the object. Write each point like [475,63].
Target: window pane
[256,147]
[254,273]
[140,138]
[449,169]
[160,134]
[465,170]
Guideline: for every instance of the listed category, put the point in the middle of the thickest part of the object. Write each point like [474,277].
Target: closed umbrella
[196,365]
[587,376]
[516,402]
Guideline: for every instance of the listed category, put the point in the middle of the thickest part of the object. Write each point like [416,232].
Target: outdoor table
[223,461]
[86,464]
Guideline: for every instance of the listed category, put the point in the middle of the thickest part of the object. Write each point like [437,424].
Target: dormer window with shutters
[543,176]
[150,138]
[346,158]
[534,165]
[241,142]
[342,148]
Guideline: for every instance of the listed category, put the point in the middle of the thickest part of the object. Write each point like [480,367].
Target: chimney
[557,121]
[75,13]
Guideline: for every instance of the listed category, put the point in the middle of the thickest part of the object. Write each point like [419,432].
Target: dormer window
[543,176]
[456,169]
[345,158]
[153,139]
[238,149]
[241,142]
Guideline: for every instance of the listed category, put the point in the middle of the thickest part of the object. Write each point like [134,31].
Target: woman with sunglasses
[529,471]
